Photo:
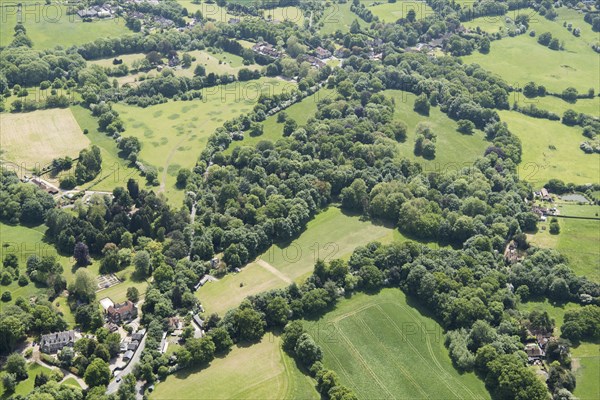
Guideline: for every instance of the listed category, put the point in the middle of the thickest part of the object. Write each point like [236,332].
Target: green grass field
[71,382]
[339,17]
[521,59]
[559,106]
[118,292]
[35,138]
[454,150]
[541,163]
[116,171]
[25,387]
[578,239]
[381,347]
[259,371]
[273,131]
[49,26]
[330,235]
[293,14]
[209,11]
[23,242]
[174,133]
[586,366]
[391,12]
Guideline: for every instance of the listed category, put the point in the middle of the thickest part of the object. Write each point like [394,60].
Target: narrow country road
[113,386]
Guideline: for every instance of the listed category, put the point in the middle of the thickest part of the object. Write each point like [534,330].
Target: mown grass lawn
[551,150]
[521,59]
[25,387]
[454,150]
[257,371]
[382,347]
[49,26]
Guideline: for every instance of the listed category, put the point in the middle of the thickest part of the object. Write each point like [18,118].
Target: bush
[6,296]
[23,281]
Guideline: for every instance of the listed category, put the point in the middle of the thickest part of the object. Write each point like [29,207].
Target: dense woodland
[254,196]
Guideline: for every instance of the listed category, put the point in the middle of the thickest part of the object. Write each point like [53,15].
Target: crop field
[391,12]
[116,171]
[34,139]
[25,387]
[551,150]
[49,26]
[259,371]
[381,347]
[24,241]
[453,149]
[173,134]
[521,59]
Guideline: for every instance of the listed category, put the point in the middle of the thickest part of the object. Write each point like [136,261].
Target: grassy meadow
[391,12]
[174,133]
[558,105]
[521,59]
[578,239]
[116,171]
[273,130]
[35,138]
[453,149]
[49,26]
[381,347]
[258,371]
[339,17]
[291,13]
[330,235]
[551,150]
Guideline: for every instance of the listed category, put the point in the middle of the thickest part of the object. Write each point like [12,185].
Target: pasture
[116,171]
[49,25]
[259,371]
[34,139]
[578,239]
[293,14]
[218,63]
[521,59]
[174,133]
[453,149]
[330,235]
[551,150]
[381,347]
[209,11]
